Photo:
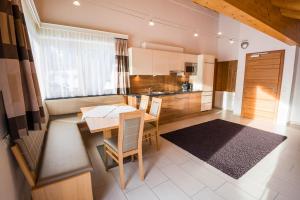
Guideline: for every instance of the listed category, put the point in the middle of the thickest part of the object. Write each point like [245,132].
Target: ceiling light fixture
[195,34]
[219,33]
[76,3]
[231,41]
[151,23]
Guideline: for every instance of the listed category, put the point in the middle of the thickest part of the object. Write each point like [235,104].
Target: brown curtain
[18,79]
[123,82]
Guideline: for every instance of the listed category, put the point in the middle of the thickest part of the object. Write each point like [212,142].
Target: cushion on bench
[64,155]
[31,147]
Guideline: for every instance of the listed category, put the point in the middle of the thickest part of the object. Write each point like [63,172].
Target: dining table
[105,118]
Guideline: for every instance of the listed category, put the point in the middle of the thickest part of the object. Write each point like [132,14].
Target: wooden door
[262,84]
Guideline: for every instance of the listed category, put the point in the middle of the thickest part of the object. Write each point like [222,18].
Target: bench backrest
[73,105]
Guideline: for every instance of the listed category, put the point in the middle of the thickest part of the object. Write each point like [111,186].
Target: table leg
[107,134]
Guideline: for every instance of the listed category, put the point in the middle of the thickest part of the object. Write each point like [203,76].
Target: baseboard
[294,124]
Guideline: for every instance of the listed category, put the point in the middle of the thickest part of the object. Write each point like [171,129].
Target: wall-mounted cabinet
[155,62]
[140,61]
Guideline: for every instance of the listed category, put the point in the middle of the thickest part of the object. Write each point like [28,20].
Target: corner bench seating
[54,160]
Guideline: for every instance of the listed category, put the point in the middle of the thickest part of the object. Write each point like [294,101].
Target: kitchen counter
[154,94]
[175,105]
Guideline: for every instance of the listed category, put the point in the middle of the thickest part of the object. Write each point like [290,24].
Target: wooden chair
[131,101]
[128,142]
[144,103]
[151,129]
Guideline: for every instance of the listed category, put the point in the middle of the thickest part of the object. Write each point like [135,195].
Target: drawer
[207,93]
[206,99]
[206,106]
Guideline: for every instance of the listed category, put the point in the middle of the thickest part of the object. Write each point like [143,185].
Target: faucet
[149,90]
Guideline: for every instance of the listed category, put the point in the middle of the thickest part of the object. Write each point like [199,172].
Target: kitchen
[183,81]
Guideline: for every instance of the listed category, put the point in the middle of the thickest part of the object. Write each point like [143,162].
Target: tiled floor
[173,173]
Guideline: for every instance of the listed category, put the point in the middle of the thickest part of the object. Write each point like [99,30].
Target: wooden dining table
[107,123]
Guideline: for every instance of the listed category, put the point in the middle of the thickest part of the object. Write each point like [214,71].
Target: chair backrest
[131,101]
[155,107]
[144,103]
[130,131]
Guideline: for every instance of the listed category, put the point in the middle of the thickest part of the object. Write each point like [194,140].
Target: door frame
[281,67]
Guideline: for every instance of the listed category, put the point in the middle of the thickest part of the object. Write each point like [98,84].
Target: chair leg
[141,165]
[157,140]
[105,158]
[122,176]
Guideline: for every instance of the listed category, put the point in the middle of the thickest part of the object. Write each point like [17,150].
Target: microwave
[190,68]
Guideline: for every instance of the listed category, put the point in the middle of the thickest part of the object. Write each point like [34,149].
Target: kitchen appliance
[186,86]
[190,68]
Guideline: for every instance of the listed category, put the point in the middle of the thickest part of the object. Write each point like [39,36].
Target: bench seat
[64,154]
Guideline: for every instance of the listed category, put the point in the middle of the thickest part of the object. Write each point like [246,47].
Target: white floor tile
[139,192]
[210,179]
[183,180]
[169,191]
[206,194]
[155,177]
[231,192]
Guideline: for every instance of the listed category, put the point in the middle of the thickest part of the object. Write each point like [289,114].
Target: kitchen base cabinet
[179,105]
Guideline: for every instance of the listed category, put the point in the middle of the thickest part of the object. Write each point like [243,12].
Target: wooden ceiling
[288,8]
[277,18]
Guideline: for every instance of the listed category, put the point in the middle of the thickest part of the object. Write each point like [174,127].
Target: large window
[71,61]
[75,64]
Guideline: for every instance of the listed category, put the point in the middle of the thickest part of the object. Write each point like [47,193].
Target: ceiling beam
[287,4]
[290,13]
[259,14]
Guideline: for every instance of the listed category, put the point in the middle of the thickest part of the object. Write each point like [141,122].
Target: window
[71,63]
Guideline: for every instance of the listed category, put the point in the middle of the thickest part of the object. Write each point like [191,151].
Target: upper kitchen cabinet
[191,58]
[176,62]
[140,61]
[161,62]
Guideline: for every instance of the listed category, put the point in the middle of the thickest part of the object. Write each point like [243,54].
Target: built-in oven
[190,68]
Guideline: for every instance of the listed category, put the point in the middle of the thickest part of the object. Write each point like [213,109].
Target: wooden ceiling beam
[290,13]
[287,4]
[259,14]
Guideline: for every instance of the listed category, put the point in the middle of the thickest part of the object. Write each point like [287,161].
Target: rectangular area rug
[232,148]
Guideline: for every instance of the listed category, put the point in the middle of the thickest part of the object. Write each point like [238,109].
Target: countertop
[154,94]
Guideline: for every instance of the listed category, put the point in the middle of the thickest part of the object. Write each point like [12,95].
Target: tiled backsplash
[142,83]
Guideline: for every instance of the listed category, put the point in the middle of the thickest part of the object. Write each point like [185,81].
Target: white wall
[260,42]
[230,29]
[295,110]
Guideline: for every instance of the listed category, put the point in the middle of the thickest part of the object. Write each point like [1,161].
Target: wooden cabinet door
[208,76]
[140,61]
[161,60]
[262,84]
[194,102]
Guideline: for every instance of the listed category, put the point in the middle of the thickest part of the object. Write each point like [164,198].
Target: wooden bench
[55,162]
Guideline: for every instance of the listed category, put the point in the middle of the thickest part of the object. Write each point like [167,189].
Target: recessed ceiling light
[151,23]
[195,34]
[220,33]
[76,3]
[231,41]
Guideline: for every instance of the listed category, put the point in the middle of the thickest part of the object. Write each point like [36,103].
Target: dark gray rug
[110,162]
[232,148]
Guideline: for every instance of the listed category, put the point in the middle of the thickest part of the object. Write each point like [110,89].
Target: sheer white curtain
[72,62]
[75,63]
